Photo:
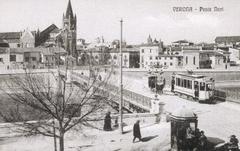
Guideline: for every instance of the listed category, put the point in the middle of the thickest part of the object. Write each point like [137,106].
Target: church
[65,37]
[52,36]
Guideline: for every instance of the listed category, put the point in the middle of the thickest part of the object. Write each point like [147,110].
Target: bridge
[132,102]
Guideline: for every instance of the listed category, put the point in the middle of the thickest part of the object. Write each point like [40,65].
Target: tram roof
[191,75]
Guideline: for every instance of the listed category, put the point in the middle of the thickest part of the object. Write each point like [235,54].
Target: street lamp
[121,85]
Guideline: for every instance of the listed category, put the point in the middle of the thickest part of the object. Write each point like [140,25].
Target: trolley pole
[121,85]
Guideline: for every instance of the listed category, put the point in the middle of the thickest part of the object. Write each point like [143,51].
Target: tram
[155,81]
[197,87]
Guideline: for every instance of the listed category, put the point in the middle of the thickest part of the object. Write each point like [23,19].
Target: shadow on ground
[146,139]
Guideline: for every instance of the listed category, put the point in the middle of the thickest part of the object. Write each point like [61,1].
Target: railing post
[157,108]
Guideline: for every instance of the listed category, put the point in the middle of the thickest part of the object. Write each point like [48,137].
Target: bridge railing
[232,95]
[127,94]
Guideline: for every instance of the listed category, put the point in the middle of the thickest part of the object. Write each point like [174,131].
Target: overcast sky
[141,18]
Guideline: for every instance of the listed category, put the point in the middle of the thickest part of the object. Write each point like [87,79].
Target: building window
[18,45]
[34,59]
[1,59]
[150,57]
[194,60]
[142,59]
[142,50]
[171,58]
[156,58]
[165,63]
[159,58]
[186,60]
[114,57]
[96,57]
[27,59]
[150,50]
[12,58]
[165,58]
[170,63]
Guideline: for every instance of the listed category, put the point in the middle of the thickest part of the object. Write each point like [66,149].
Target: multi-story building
[234,55]
[130,57]
[148,54]
[228,41]
[10,58]
[191,57]
[197,58]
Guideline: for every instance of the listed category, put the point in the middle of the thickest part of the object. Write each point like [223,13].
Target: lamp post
[121,85]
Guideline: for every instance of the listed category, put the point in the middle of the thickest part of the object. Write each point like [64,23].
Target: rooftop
[10,35]
[184,113]
[182,41]
[227,39]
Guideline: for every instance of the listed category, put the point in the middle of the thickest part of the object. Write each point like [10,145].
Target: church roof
[69,11]
[44,35]
[49,29]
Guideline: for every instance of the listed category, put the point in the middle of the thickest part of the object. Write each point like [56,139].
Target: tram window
[178,81]
[202,86]
[181,82]
[189,84]
[185,83]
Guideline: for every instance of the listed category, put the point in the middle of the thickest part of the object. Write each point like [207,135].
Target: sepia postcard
[119,75]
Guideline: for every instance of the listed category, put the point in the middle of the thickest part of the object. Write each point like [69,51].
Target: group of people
[232,145]
[108,126]
[190,140]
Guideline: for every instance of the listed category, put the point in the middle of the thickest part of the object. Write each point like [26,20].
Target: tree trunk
[61,141]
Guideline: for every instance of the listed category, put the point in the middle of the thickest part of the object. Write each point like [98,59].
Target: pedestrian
[172,84]
[202,142]
[136,131]
[107,122]
[196,94]
[189,138]
[233,144]
[116,122]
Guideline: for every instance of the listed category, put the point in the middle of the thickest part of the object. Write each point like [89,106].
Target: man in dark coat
[136,131]
[172,84]
[107,122]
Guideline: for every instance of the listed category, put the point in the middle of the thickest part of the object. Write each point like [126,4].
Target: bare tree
[54,102]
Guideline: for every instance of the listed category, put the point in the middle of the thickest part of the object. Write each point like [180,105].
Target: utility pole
[121,85]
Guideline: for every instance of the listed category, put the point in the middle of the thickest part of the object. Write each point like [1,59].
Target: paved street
[217,120]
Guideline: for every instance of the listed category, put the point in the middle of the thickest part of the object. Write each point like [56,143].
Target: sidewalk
[155,137]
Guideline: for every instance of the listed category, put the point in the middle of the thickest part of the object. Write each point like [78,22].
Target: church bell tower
[70,31]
